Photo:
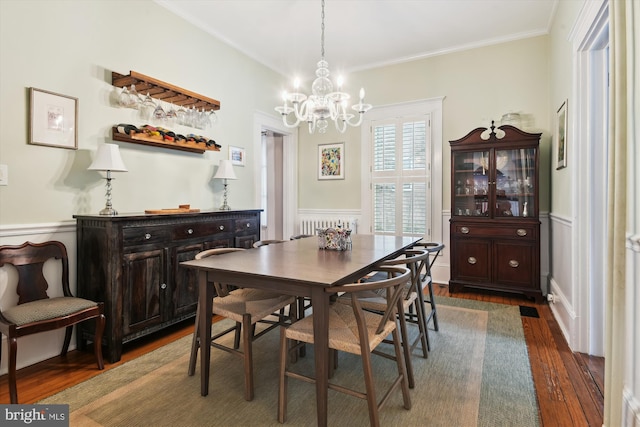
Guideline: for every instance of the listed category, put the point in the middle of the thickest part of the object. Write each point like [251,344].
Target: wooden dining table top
[301,262]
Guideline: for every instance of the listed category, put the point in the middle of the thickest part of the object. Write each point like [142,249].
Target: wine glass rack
[164,91]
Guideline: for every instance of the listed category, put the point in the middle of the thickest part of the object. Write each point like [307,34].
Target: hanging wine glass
[124,98]
[134,98]
[159,113]
[147,108]
[181,115]
[172,115]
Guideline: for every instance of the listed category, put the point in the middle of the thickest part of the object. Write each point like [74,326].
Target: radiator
[309,225]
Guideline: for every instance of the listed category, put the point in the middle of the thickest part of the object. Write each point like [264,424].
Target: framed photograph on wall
[53,119]
[236,155]
[331,161]
[561,136]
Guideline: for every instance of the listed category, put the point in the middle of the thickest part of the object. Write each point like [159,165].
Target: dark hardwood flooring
[569,386]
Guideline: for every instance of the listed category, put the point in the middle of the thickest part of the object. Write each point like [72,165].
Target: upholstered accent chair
[36,311]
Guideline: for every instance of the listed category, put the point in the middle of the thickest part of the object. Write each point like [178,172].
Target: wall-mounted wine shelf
[139,138]
[164,91]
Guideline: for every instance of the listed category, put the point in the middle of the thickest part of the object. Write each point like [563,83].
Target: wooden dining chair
[260,243]
[247,307]
[434,249]
[354,330]
[36,311]
[412,309]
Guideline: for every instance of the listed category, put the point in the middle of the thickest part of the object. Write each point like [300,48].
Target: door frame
[267,122]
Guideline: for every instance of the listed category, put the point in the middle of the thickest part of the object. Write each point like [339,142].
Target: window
[400,179]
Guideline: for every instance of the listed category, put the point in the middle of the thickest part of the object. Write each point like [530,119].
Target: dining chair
[412,307]
[354,330]
[434,249]
[36,311]
[260,243]
[247,307]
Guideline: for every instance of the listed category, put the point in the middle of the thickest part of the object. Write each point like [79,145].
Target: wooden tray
[170,211]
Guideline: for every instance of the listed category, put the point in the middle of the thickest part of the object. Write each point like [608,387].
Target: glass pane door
[471,183]
[515,178]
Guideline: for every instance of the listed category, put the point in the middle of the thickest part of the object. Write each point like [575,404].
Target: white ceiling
[361,34]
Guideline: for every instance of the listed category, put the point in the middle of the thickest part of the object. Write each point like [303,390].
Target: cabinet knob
[190,231]
[521,232]
[147,236]
[163,286]
[513,263]
[464,230]
[472,260]
[221,227]
[248,225]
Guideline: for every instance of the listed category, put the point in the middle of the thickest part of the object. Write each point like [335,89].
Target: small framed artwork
[236,155]
[331,161]
[53,119]
[561,136]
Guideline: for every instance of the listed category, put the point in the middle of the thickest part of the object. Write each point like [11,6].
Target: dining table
[296,267]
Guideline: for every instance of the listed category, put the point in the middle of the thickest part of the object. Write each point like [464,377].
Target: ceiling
[284,35]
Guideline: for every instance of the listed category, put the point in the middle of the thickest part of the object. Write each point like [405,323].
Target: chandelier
[324,104]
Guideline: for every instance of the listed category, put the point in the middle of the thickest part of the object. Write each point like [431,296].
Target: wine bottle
[127,129]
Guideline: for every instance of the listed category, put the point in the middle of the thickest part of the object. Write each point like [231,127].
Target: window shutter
[400,179]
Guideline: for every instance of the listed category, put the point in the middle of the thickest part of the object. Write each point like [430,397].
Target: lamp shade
[108,159]
[225,170]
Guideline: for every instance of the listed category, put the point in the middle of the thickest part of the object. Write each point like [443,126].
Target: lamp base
[225,207]
[108,211]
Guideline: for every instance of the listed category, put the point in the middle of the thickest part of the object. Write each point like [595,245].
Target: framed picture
[53,119]
[561,136]
[331,161]
[236,155]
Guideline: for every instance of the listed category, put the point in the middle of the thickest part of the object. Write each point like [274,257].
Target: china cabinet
[495,230]
[132,264]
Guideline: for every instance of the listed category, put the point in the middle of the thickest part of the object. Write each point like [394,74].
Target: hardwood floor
[569,386]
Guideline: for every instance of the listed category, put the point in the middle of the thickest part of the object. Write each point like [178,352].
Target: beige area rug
[477,374]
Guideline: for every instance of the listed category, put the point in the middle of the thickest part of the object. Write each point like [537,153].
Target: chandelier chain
[322,33]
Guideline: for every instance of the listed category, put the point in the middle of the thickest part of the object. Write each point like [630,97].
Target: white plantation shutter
[400,178]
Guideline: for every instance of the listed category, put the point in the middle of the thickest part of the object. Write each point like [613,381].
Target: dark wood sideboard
[132,263]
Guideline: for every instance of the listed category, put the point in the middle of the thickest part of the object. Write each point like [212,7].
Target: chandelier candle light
[225,172]
[108,159]
[323,104]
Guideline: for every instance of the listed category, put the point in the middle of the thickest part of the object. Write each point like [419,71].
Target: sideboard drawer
[247,224]
[201,229]
[134,236]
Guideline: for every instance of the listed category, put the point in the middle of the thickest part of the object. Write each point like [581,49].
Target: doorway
[271,177]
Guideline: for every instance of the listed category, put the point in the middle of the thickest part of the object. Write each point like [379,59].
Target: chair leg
[236,340]
[97,340]
[195,344]
[283,380]
[247,338]
[421,317]
[406,345]
[432,302]
[372,401]
[401,371]
[67,340]
[13,388]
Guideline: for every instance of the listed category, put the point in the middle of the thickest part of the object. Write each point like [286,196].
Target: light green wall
[561,59]
[71,48]
[479,85]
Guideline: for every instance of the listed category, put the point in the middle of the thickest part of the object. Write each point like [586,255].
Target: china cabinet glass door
[494,183]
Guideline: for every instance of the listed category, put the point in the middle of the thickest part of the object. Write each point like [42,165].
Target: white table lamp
[225,172]
[108,159]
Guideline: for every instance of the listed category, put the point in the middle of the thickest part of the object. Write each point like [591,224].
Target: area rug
[477,374]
